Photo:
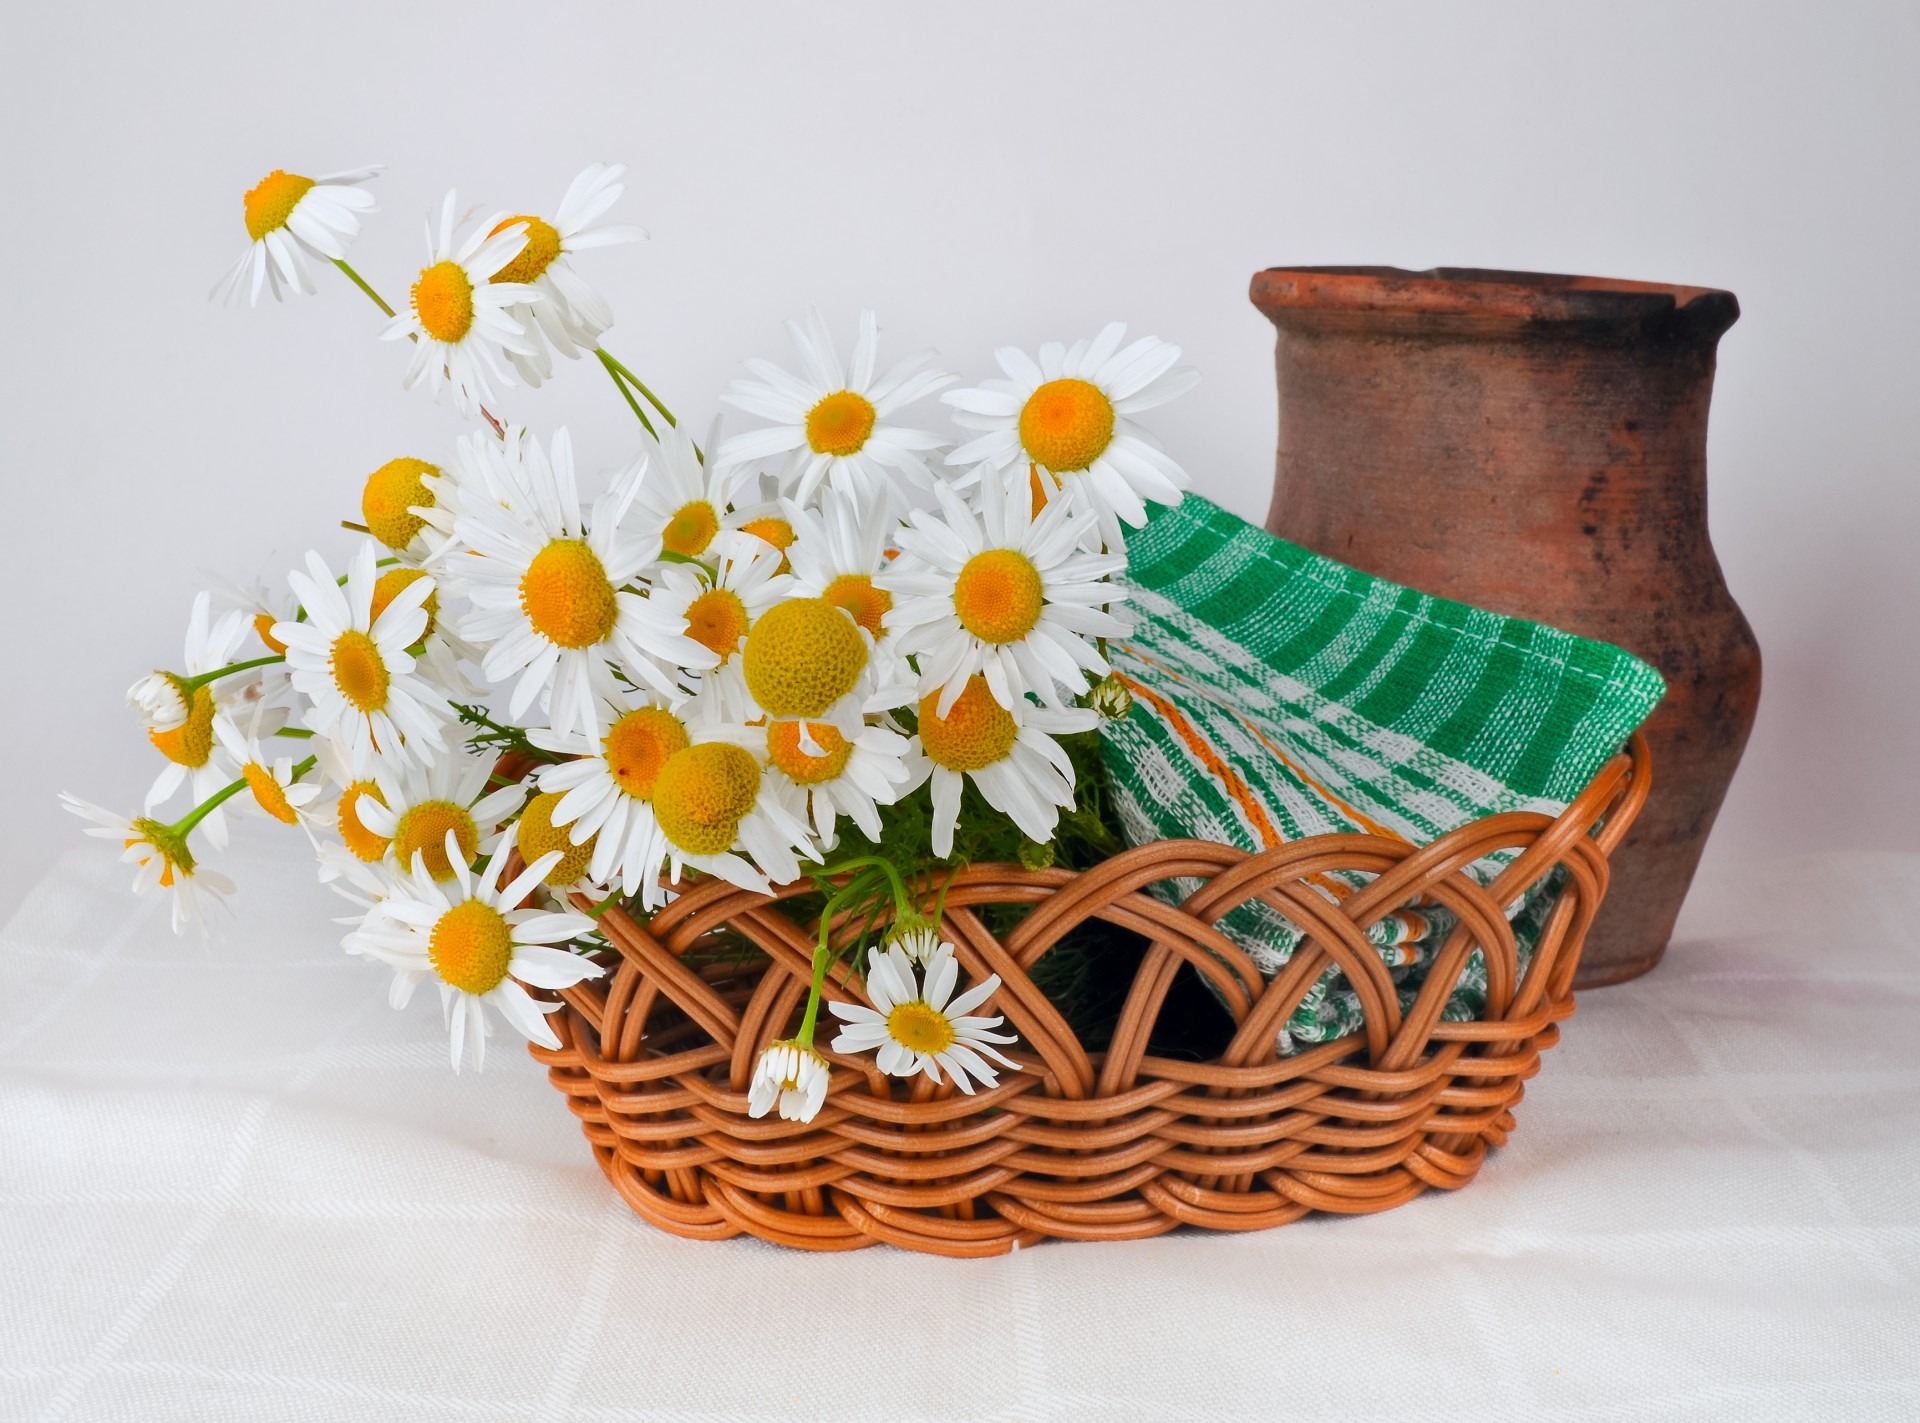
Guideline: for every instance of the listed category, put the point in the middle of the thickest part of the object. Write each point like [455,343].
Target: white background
[980,174]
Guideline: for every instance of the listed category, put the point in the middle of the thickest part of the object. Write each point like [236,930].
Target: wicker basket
[655,1058]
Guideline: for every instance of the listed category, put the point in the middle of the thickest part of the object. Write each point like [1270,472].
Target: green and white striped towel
[1279,694]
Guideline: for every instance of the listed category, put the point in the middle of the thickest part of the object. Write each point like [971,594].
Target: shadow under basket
[1116,1145]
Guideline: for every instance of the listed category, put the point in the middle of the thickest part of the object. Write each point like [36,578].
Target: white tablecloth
[234,1184]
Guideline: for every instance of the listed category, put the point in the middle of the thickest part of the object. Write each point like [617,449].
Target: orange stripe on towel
[1202,749]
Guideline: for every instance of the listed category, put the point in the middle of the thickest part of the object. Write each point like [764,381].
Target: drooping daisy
[292,220]
[571,316]
[682,502]
[549,605]
[538,835]
[1006,594]
[355,669]
[1066,420]
[269,777]
[478,946]
[791,1076]
[179,719]
[835,421]
[163,859]
[833,774]
[459,317]
[418,807]
[389,499]
[1010,753]
[839,549]
[716,609]
[807,661]
[917,1029]
[715,804]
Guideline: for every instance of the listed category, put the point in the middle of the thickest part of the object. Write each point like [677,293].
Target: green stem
[614,364]
[200,812]
[299,731]
[822,961]
[613,374]
[903,905]
[361,282]
[193,684]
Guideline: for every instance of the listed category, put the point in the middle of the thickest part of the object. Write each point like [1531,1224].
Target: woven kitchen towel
[1279,694]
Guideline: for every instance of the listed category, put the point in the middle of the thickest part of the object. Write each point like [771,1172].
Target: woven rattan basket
[1118,1145]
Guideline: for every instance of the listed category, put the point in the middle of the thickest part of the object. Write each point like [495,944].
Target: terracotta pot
[1535,445]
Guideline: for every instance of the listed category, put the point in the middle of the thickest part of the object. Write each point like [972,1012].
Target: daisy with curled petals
[834,421]
[549,602]
[720,813]
[1066,420]
[163,859]
[570,315]
[418,807]
[832,774]
[715,603]
[277,790]
[460,317]
[179,715]
[471,937]
[922,1027]
[1006,594]
[355,669]
[1010,754]
[293,220]
[791,1076]
[683,503]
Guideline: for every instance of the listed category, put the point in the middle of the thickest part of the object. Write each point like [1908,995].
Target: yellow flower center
[443,300]
[566,596]
[717,620]
[271,796]
[922,1028]
[271,201]
[785,751]
[363,842]
[976,731]
[424,828]
[543,245]
[802,656]
[702,795]
[471,947]
[691,529]
[191,742]
[358,671]
[263,625]
[777,532]
[638,745]
[855,593]
[840,423]
[1066,424]
[998,595]
[540,836]
[392,583]
[392,492]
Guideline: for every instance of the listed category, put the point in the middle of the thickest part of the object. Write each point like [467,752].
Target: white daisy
[470,936]
[714,604]
[180,718]
[570,315]
[835,421]
[681,502]
[791,1076]
[269,777]
[551,605]
[1066,419]
[836,775]
[163,859]
[418,807]
[1004,593]
[1009,752]
[292,220]
[917,1029]
[394,502]
[715,803]
[839,549]
[460,318]
[355,669]
[774,522]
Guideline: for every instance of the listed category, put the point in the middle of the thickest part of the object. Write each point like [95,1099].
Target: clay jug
[1535,445]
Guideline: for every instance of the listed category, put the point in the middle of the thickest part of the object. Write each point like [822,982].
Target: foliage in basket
[835,653]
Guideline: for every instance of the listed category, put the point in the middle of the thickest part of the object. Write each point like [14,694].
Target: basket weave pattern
[655,1058]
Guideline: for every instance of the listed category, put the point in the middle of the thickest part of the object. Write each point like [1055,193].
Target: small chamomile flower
[832,774]
[394,502]
[720,812]
[291,221]
[715,604]
[790,1076]
[570,316]
[683,503]
[470,936]
[839,550]
[355,669]
[269,777]
[419,807]
[163,858]
[833,421]
[918,941]
[1006,594]
[1066,421]
[807,661]
[1009,752]
[551,603]
[459,317]
[921,1027]
[179,718]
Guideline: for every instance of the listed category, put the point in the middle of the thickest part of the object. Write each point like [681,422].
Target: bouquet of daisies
[836,647]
